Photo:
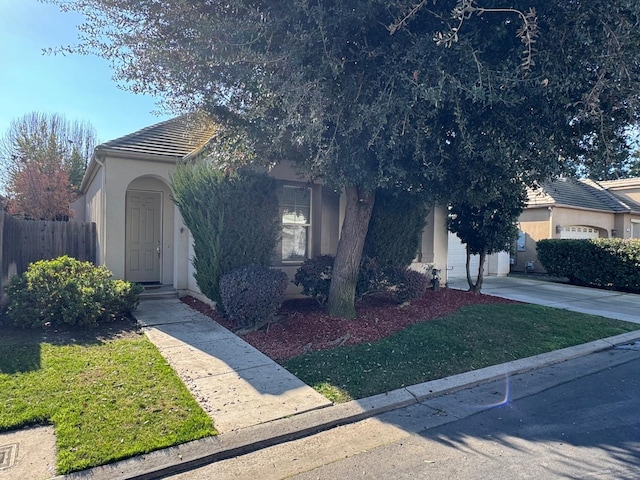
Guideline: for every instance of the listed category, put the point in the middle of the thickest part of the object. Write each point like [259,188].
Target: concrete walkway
[606,303]
[236,384]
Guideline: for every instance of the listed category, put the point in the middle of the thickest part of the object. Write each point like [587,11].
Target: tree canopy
[360,94]
[43,158]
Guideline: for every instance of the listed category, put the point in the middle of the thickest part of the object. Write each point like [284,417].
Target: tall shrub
[233,217]
[397,221]
[604,262]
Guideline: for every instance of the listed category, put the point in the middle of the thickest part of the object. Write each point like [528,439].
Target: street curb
[197,453]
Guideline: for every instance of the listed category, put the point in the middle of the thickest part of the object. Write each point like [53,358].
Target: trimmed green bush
[251,295]
[67,291]
[371,278]
[395,229]
[233,217]
[603,262]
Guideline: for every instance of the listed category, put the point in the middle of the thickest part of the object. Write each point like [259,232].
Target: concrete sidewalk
[529,289]
[236,384]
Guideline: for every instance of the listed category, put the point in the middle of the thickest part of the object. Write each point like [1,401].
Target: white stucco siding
[93,212]
[123,174]
[434,247]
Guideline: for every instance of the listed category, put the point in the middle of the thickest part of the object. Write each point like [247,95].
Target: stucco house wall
[105,205]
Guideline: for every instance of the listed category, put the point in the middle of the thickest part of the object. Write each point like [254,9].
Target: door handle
[158,252]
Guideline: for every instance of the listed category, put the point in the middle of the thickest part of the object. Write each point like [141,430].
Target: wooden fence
[26,241]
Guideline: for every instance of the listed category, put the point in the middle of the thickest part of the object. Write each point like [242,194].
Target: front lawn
[110,396]
[473,337]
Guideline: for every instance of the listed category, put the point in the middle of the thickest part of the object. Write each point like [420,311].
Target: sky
[78,87]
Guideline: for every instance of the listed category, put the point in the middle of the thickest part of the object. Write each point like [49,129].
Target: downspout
[103,210]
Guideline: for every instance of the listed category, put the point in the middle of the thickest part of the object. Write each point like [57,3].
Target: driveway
[606,303]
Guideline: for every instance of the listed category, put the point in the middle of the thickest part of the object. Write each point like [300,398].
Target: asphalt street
[577,419]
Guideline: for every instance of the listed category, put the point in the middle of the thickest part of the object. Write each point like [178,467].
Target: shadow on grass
[20,349]
[19,358]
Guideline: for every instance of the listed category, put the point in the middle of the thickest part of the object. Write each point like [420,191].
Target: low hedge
[68,291]
[603,262]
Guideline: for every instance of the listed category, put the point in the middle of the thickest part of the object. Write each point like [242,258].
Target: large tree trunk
[342,293]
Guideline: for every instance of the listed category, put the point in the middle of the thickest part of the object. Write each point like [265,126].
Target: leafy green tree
[360,94]
[634,169]
[487,223]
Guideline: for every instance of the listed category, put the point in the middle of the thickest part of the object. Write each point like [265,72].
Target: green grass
[108,400]
[472,338]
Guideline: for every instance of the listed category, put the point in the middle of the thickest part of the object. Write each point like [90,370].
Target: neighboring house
[141,235]
[569,208]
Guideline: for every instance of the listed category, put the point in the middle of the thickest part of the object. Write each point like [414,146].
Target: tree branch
[464,10]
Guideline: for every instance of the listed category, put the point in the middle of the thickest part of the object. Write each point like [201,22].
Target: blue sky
[78,87]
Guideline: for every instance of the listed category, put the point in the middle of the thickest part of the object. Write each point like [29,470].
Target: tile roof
[621,183]
[587,194]
[175,138]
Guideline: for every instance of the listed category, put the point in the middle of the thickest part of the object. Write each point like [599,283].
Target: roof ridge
[628,204]
[177,137]
[621,182]
[604,193]
[144,129]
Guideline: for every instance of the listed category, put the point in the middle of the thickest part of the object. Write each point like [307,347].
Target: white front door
[143,244]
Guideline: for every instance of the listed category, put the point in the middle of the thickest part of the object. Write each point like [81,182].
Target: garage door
[495,264]
[578,232]
[457,259]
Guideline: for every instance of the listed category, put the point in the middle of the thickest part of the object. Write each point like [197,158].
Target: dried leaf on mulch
[304,327]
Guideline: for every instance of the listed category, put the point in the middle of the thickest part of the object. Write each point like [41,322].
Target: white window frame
[308,225]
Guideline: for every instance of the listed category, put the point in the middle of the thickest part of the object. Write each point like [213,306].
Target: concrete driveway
[606,303]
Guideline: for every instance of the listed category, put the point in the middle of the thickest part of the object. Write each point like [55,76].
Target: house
[569,208]
[142,237]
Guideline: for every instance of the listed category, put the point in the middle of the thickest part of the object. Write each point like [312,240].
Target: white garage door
[495,264]
[457,259]
[578,232]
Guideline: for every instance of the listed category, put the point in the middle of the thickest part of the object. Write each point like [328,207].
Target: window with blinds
[296,223]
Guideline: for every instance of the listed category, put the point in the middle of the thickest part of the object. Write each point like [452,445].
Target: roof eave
[150,157]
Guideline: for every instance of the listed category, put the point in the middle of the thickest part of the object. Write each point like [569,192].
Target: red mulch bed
[303,326]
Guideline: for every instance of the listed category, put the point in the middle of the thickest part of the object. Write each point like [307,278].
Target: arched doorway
[147,231]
